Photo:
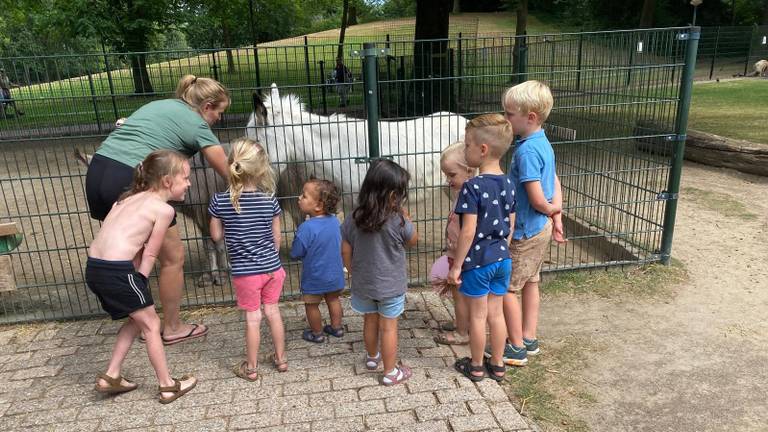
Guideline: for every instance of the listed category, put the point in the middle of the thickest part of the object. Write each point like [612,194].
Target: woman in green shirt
[182,124]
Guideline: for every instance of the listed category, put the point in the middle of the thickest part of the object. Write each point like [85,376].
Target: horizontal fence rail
[613,128]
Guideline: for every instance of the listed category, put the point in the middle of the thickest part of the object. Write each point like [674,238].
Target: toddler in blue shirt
[318,245]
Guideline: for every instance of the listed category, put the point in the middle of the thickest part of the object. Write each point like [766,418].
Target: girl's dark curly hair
[383,193]
[327,195]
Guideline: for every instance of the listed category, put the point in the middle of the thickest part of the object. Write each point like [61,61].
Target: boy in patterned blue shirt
[483,265]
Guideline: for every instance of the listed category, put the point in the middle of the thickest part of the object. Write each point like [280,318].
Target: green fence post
[370,87]
[578,62]
[681,127]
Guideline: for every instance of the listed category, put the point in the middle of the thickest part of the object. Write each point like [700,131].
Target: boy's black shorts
[121,290]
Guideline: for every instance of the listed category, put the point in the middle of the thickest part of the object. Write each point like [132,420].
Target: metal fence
[726,52]
[617,128]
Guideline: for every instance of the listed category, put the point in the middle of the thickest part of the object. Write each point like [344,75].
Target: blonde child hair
[199,91]
[530,96]
[455,152]
[249,166]
[493,130]
[149,174]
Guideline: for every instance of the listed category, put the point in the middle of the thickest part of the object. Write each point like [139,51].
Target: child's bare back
[135,223]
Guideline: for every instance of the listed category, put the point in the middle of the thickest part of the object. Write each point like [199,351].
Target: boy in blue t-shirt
[538,216]
[318,245]
[482,264]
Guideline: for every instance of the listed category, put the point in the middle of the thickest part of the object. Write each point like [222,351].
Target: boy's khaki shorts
[527,257]
[317,298]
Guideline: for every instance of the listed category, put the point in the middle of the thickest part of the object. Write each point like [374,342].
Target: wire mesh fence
[614,129]
[726,52]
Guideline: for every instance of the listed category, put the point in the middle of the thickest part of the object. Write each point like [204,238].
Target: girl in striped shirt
[247,216]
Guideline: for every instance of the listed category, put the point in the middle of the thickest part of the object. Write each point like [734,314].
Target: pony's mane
[292,107]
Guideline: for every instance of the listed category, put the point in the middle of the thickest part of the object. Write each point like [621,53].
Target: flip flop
[115,385]
[190,335]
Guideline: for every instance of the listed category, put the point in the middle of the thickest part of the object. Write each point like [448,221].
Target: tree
[521,30]
[431,57]
[646,16]
[126,25]
[343,31]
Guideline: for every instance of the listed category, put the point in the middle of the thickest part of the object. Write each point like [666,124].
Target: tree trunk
[352,16]
[646,16]
[456,6]
[764,21]
[227,39]
[431,58]
[136,43]
[521,29]
[343,31]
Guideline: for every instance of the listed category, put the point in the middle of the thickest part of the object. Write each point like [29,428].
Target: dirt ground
[693,358]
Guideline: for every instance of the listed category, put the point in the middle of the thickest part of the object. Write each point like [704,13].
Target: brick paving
[47,373]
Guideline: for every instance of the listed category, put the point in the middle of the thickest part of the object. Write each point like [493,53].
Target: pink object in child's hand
[439,275]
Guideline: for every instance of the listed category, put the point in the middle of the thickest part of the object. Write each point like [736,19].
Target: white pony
[335,148]
[761,68]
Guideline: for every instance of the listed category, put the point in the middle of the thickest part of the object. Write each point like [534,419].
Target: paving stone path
[47,373]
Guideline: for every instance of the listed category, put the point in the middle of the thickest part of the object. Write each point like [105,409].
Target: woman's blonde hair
[199,91]
[148,175]
[249,165]
[455,152]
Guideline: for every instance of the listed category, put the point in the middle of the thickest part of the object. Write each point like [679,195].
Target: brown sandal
[115,385]
[243,371]
[451,338]
[280,365]
[175,389]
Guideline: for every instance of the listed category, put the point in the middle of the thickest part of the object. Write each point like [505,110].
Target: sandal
[402,373]
[493,370]
[448,326]
[372,363]
[310,336]
[339,332]
[451,338]
[465,367]
[243,371]
[188,336]
[115,385]
[280,365]
[175,389]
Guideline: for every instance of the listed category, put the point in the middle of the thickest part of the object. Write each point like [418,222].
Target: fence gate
[618,130]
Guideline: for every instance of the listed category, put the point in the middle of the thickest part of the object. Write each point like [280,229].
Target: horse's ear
[275,95]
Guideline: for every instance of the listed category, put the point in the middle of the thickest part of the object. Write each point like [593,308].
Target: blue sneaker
[532,346]
[513,356]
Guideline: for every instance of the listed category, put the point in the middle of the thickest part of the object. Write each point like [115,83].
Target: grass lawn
[736,109]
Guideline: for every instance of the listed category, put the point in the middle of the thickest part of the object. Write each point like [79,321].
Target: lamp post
[695,4]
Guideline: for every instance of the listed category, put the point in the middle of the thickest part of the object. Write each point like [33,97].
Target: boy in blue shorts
[538,219]
[482,265]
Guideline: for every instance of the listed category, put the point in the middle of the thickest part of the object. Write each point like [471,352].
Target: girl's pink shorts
[253,290]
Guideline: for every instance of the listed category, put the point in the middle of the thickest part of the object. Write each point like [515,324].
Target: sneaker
[513,356]
[532,346]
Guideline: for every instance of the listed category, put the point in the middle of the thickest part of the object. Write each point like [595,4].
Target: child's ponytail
[249,165]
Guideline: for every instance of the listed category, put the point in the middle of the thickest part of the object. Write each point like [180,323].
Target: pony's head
[269,108]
